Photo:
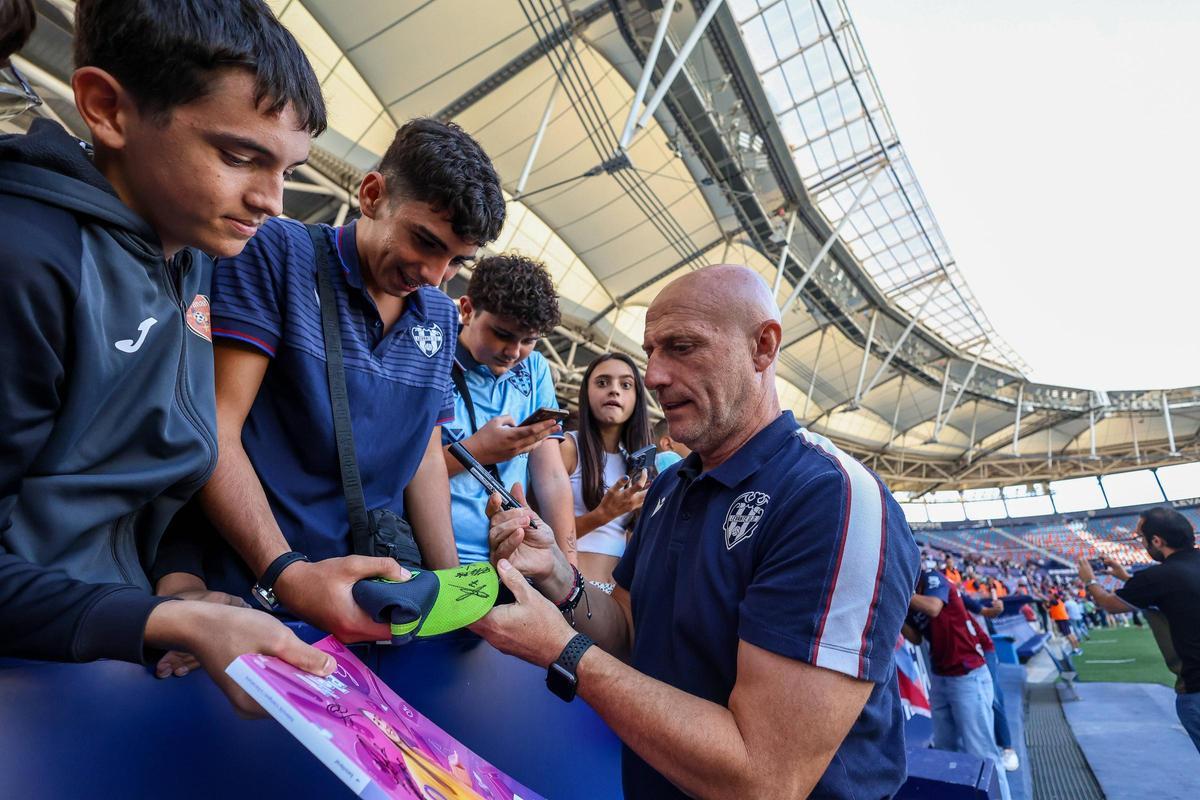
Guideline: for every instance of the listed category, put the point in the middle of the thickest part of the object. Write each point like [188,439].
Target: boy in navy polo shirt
[277,487]
[961,692]
[760,597]
[509,304]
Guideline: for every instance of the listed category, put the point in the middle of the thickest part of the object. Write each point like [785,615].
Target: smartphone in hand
[543,415]
[640,460]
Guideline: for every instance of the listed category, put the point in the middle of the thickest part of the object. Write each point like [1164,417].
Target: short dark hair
[661,429]
[440,164]
[17,21]
[164,52]
[518,287]
[1170,526]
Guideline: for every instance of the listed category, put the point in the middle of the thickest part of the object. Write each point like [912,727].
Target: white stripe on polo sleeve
[843,632]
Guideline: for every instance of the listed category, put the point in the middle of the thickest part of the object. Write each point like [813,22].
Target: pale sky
[1056,142]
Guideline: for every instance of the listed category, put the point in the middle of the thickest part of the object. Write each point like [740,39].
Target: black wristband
[264,590]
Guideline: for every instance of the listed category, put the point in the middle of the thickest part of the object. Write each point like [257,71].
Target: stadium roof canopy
[772,147]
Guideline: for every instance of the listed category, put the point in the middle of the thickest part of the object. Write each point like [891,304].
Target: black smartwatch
[264,591]
[560,677]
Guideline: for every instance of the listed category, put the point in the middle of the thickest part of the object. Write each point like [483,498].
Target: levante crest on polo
[741,521]
[428,338]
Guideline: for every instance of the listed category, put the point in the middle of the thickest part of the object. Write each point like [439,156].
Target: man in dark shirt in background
[1173,587]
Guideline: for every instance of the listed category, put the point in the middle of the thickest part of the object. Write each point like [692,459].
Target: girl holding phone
[613,422]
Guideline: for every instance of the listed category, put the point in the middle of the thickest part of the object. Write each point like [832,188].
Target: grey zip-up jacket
[107,411]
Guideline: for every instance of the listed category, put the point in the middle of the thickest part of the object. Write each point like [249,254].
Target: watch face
[560,681]
[264,597]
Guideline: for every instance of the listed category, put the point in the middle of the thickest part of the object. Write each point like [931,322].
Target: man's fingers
[493,505]
[514,580]
[518,493]
[506,547]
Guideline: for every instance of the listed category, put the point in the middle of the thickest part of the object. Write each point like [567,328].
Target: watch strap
[573,652]
[264,589]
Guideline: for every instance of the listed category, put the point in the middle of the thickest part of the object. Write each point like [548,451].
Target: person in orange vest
[1062,620]
[952,575]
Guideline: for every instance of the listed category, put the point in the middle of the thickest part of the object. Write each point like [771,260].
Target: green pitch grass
[1123,655]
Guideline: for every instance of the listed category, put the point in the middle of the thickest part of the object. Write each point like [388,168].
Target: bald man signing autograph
[747,650]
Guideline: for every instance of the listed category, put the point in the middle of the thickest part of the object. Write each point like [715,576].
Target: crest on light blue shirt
[741,521]
[428,338]
[521,379]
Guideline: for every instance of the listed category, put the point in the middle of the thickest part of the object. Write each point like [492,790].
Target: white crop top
[608,539]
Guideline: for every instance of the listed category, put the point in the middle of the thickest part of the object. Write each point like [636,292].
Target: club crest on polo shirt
[428,338]
[521,379]
[199,318]
[741,521]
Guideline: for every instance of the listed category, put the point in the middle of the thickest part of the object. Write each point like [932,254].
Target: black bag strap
[356,504]
[460,383]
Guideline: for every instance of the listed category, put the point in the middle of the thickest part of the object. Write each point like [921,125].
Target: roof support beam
[937,425]
[896,411]
[833,237]
[971,443]
[1017,421]
[660,33]
[689,45]
[1167,419]
[1092,434]
[526,58]
[912,323]
[783,253]
[812,384]
[970,374]
[537,141]
[862,370]
[309,188]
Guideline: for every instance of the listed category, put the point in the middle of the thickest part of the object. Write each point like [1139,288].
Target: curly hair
[518,287]
[440,164]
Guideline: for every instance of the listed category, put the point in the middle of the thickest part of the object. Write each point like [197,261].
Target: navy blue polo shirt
[790,545]
[399,384]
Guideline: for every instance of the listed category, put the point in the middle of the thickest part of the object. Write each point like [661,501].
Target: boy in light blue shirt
[509,304]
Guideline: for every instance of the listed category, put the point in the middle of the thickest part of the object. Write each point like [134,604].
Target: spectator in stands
[1057,608]
[277,496]
[112,242]
[950,572]
[501,380]
[984,613]
[1173,587]
[613,423]
[670,451]
[961,693]
[760,667]
[1075,612]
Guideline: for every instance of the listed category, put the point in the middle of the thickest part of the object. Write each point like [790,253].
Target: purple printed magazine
[376,743]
